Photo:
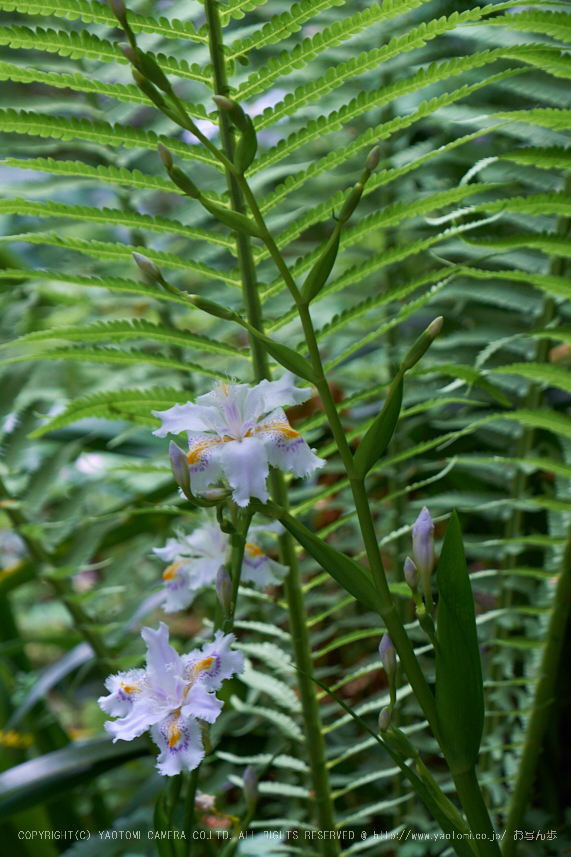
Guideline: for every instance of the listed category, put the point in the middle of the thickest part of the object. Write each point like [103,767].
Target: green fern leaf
[123,253]
[549,283]
[542,373]
[554,24]
[78,83]
[116,357]
[119,331]
[100,13]
[286,724]
[43,125]
[237,9]
[552,244]
[114,405]
[545,117]
[554,157]
[303,53]
[281,26]
[110,216]
[114,284]
[87,46]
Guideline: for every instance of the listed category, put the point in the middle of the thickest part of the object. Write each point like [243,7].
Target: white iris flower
[170,696]
[195,560]
[238,431]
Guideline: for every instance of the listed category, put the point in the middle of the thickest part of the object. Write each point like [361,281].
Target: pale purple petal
[280,394]
[286,449]
[180,418]
[245,466]
[180,743]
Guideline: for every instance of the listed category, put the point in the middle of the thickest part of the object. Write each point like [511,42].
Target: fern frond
[554,157]
[549,283]
[122,252]
[434,73]
[554,24]
[302,54]
[114,284]
[281,26]
[318,128]
[237,9]
[286,724]
[542,373]
[88,46]
[115,357]
[123,329]
[59,128]
[78,83]
[388,217]
[114,405]
[556,203]
[86,214]
[558,119]
[547,242]
[93,12]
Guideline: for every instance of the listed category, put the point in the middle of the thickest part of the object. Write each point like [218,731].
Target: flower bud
[165,156]
[423,343]
[234,111]
[148,89]
[130,54]
[411,573]
[373,159]
[148,267]
[179,465]
[388,657]
[119,10]
[423,545]
[224,590]
[214,308]
[182,181]
[351,203]
[384,719]
[250,787]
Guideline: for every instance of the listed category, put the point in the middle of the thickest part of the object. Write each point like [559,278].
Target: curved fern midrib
[100,13]
[123,252]
[311,48]
[128,329]
[96,131]
[88,46]
[129,93]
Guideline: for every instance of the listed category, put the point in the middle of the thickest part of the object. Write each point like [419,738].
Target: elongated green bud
[373,159]
[119,10]
[379,434]
[182,181]
[318,275]
[246,147]
[147,66]
[351,203]
[236,221]
[148,89]
[423,343]
[399,742]
[147,266]
[213,308]
[234,111]
[165,156]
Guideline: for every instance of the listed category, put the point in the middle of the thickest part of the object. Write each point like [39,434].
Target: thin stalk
[542,703]
[238,543]
[315,744]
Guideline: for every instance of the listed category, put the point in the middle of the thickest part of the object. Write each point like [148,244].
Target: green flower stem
[472,800]
[544,697]
[466,784]
[238,543]
[315,744]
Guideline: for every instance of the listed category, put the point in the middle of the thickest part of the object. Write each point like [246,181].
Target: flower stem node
[250,788]
[224,591]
